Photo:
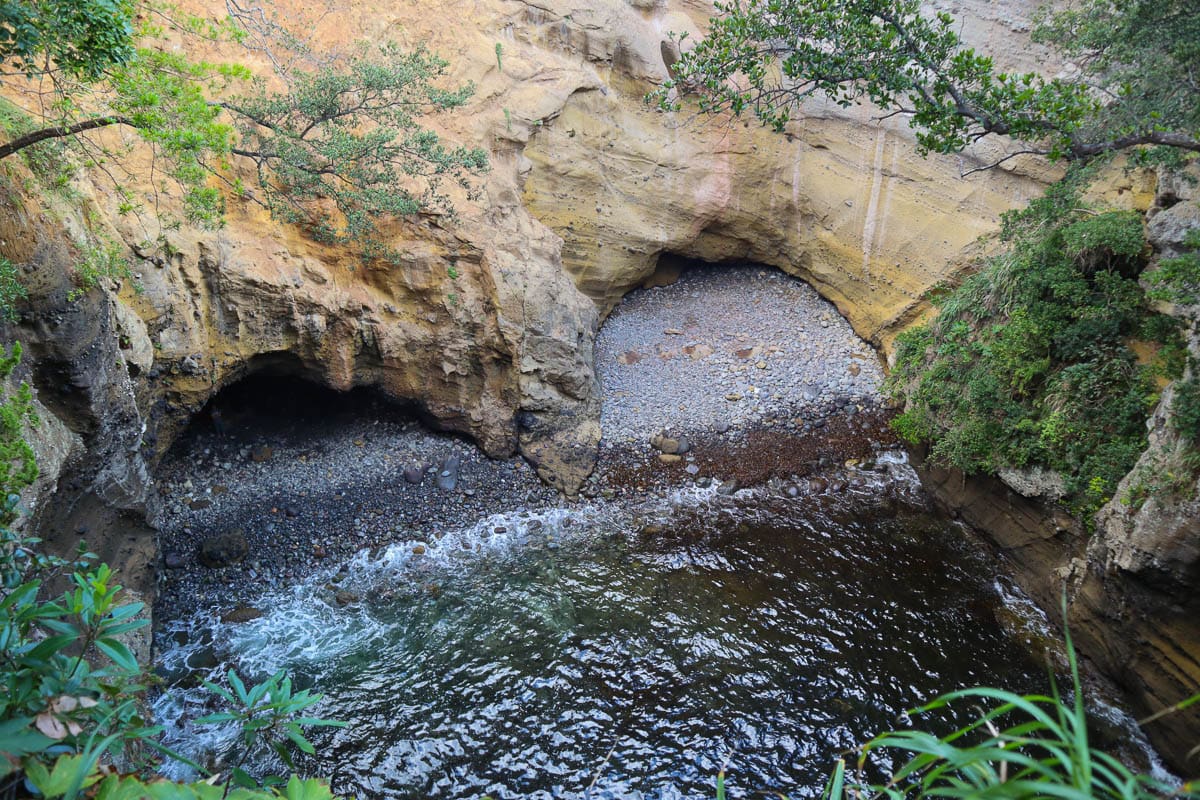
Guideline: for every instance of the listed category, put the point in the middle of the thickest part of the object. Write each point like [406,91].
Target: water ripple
[566,651]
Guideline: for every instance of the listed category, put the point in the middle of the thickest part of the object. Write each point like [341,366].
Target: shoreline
[260,487]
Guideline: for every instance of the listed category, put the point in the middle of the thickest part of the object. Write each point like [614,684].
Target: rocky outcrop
[1130,584]
[486,325]
[1134,596]
[840,200]
[483,325]
[1130,588]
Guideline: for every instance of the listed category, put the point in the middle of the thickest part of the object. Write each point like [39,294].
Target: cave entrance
[273,402]
[278,474]
[708,349]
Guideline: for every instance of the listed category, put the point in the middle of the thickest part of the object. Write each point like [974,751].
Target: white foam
[304,627]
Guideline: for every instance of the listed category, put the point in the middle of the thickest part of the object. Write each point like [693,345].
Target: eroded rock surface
[1129,584]
[487,322]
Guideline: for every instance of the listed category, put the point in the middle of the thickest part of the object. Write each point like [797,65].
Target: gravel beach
[728,347]
[728,378]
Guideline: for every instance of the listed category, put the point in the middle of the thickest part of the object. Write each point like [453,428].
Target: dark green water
[771,634]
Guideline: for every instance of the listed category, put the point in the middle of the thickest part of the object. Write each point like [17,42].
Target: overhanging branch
[60,132]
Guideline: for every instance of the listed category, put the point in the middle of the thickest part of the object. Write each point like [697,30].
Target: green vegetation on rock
[352,136]
[1029,362]
[1136,85]
[338,149]
[82,37]
[71,687]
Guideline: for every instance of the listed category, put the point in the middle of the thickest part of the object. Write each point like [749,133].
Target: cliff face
[841,200]
[588,187]
[1135,592]
[1130,585]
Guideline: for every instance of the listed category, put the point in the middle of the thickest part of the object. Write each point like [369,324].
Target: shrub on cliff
[1136,84]
[71,705]
[341,147]
[1029,362]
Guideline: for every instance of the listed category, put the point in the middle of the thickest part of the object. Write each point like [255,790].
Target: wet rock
[629,357]
[728,487]
[262,453]
[413,475]
[665,444]
[224,549]
[692,469]
[199,505]
[241,614]
[447,477]
[344,598]
[817,485]
[174,560]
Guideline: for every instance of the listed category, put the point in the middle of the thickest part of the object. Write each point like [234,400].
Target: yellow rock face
[588,188]
[841,200]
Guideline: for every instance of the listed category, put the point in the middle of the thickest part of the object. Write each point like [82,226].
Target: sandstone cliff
[588,189]
[1129,585]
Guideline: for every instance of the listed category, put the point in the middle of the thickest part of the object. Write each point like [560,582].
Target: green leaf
[242,778]
[119,653]
[834,787]
[298,738]
[298,789]
[220,692]
[18,738]
[239,688]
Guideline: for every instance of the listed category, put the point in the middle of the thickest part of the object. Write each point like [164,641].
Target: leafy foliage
[268,716]
[769,56]
[99,261]
[352,136]
[1177,280]
[18,466]
[1185,409]
[70,687]
[1028,362]
[83,37]
[12,291]
[1022,746]
[340,149]
[1141,55]
[47,160]
[70,691]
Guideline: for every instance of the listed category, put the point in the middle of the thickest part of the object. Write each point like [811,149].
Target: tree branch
[1167,138]
[61,131]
